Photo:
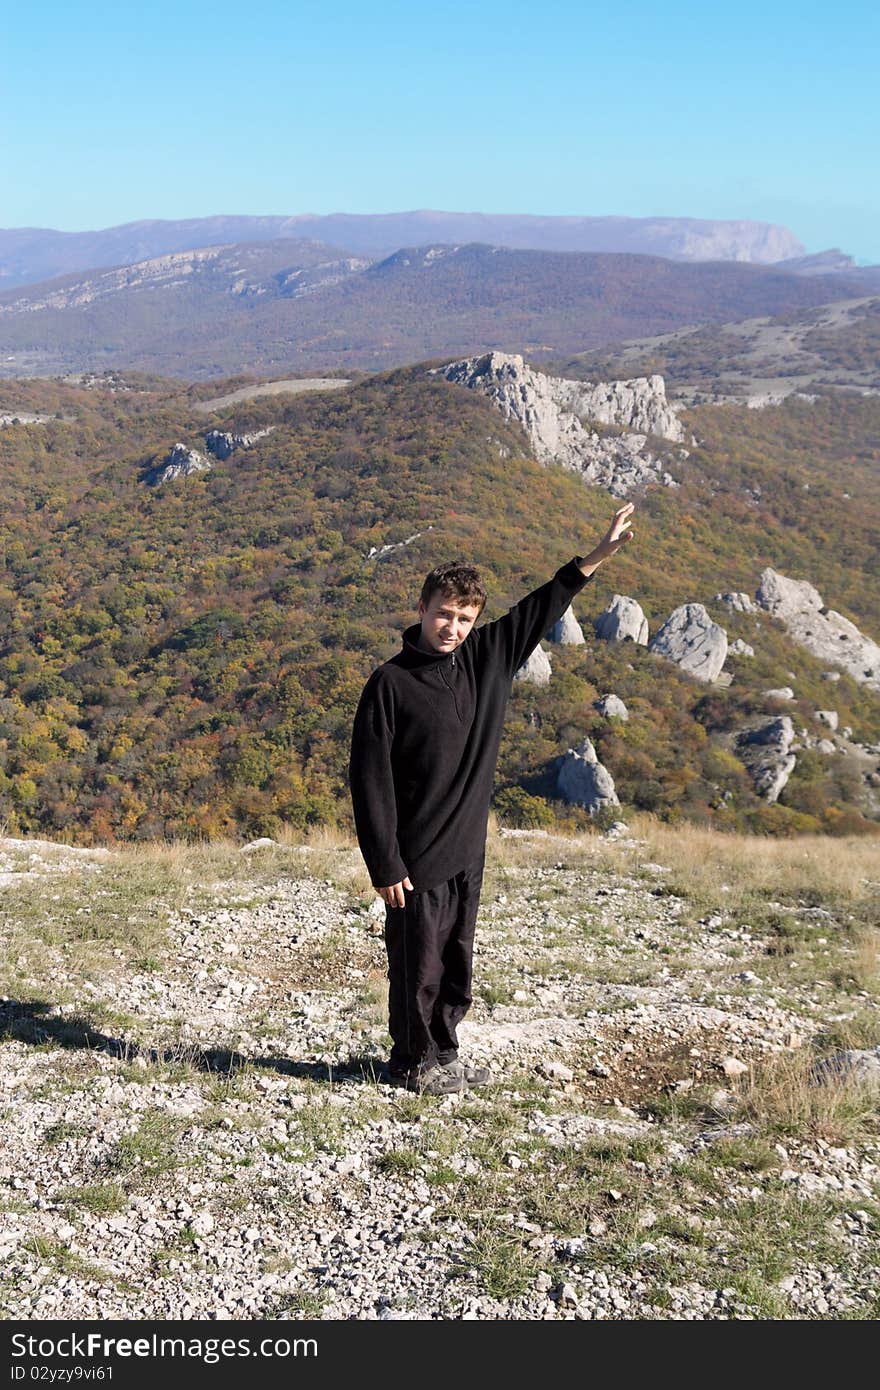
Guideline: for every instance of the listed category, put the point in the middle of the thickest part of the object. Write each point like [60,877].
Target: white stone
[556,1071]
[737,601]
[612,707]
[829,717]
[221,444]
[568,631]
[179,462]
[828,635]
[741,648]
[584,781]
[765,749]
[721,1100]
[855,1064]
[732,1066]
[537,669]
[622,619]
[616,830]
[693,641]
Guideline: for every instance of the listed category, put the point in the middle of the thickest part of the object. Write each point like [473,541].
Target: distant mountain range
[295,305]
[29,255]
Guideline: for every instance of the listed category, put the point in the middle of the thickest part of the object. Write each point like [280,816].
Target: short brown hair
[455,580]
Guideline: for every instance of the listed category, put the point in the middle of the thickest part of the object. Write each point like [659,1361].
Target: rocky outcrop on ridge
[221,443]
[828,635]
[550,410]
[691,639]
[765,750]
[622,620]
[568,631]
[639,405]
[536,670]
[741,648]
[584,781]
[179,462]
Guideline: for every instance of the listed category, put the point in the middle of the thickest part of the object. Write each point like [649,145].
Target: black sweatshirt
[426,736]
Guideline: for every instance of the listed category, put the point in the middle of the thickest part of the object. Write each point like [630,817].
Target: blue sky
[769,111]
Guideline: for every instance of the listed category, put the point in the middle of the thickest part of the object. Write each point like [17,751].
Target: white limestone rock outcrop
[765,750]
[584,781]
[551,411]
[612,707]
[693,641]
[567,632]
[737,601]
[623,620]
[828,635]
[779,692]
[639,405]
[741,648]
[221,443]
[179,462]
[536,670]
[829,717]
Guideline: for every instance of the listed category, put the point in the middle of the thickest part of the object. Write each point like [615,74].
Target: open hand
[393,895]
[618,532]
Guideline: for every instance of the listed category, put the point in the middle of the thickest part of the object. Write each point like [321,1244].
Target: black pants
[430,945]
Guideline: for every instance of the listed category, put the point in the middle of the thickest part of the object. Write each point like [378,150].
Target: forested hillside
[299,306]
[837,344]
[186,659]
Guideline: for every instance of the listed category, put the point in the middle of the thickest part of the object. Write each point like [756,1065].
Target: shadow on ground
[34,1021]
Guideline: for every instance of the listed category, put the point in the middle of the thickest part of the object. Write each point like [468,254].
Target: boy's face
[446,622]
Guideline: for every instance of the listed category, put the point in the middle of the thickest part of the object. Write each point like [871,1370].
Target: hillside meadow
[185,661]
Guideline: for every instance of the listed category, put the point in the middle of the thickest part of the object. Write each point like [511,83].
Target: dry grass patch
[788,1094]
[712,870]
[864,965]
[811,869]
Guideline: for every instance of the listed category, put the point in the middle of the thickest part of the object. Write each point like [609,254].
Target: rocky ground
[196,1122]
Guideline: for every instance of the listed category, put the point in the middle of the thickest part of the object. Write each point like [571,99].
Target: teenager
[423,753]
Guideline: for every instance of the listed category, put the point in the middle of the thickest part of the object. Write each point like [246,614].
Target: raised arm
[515,636]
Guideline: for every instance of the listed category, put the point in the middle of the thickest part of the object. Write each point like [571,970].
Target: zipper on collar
[451,688]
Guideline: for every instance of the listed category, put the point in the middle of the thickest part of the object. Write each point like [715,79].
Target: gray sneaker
[432,1081]
[472,1076]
